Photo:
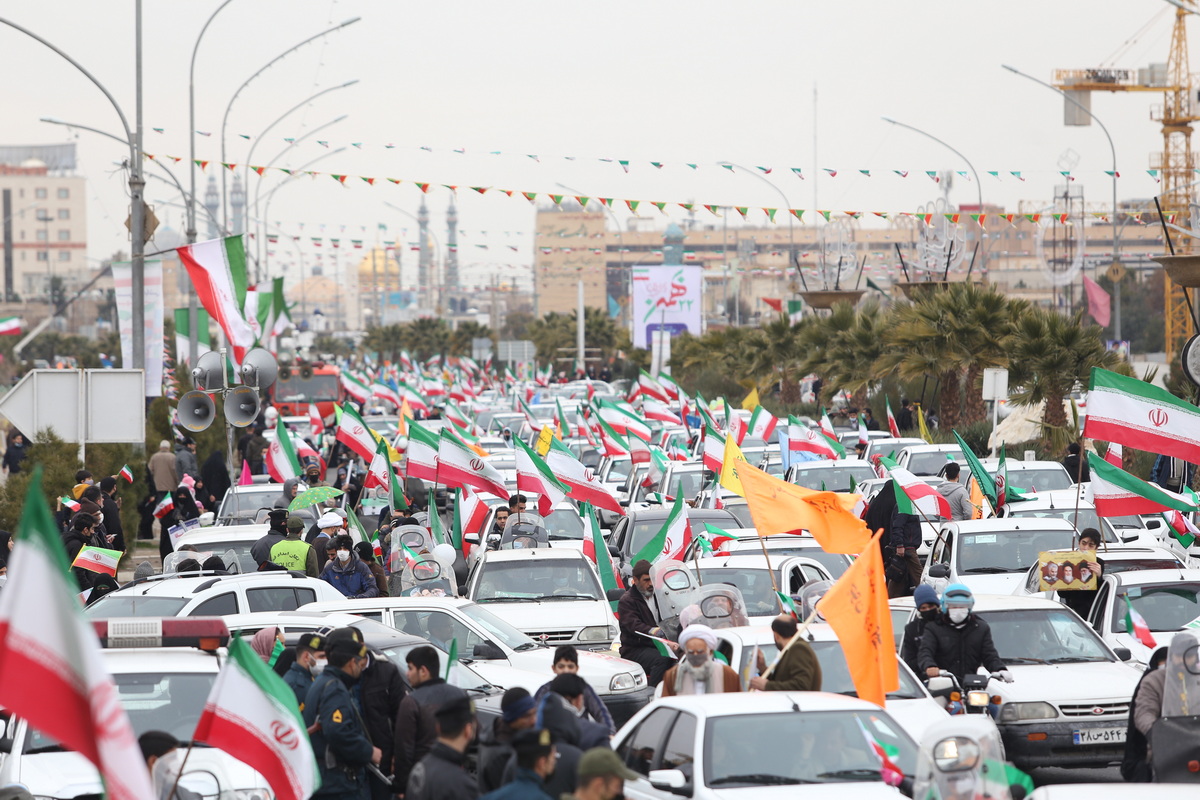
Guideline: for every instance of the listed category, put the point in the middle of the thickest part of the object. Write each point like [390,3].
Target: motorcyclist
[959,642]
[963,757]
[925,598]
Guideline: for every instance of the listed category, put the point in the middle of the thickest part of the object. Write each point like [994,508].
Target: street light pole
[137,211]
[1113,149]
[620,246]
[970,166]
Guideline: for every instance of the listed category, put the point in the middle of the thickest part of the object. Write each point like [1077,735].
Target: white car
[176,595]
[751,574]
[1168,599]
[841,475]
[781,546]
[993,555]
[888,445]
[927,460]
[552,595]
[242,504]
[1032,476]
[223,538]
[1068,704]
[161,688]
[496,650]
[768,745]
[1062,504]
[1114,561]
[911,704]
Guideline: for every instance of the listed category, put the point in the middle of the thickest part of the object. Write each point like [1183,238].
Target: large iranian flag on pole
[803,439]
[459,465]
[915,496]
[252,715]
[714,449]
[624,420]
[595,548]
[421,456]
[672,538]
[1116,493]
[535,477]
[282,463]
[51,670]
[1135,413]
[357,390]
[354,433]
[217,269]
[614,443]
[581,482]
[762,424]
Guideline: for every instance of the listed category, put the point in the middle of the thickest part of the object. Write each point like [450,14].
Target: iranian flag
[316,424]
[595,548]
[97,559]
[656,409]
[1136,626]
[827,425]
[735,426]
[651,388]
[672,538]
[52,673]
[456,415]
[892,426]
[863,436]
[622,419]
[1182,529]
[1114,455]
[217,269]
[669,385]
[892,775]
[469,515]
[581,482]
[356,389]
[164,507]
[762,424]
[714,450]
[69,503]
[282,463]
[915,496]
[252,715]
[421,457]
[354,433]
[639,451]
[385,392]
[11,326]
[459,465]
[126,473]
[1128,411]
[535,477]
[803,439]
[613,442]
[435,519]
[1116,493]
[416,401]
[379,471]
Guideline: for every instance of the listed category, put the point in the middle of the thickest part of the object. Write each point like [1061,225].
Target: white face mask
[343,555]
[318,666]
[958,615]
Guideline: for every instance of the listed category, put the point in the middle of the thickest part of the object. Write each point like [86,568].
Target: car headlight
[621,682]
[1018,712]
[596,633]
[956,754]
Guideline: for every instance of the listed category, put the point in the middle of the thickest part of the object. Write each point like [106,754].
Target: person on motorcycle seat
[957,641]
[925,598]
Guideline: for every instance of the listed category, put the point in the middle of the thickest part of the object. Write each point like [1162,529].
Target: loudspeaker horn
[241,406]
[196,411]
[259,369]
[208,374]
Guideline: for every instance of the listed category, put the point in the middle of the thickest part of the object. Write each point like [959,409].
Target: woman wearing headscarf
[268,643]
[215,478]
[6,545]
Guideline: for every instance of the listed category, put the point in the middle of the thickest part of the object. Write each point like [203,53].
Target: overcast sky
[674,82]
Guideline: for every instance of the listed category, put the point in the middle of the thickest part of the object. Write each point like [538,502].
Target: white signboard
[93,405]
[153,303]
[666,298]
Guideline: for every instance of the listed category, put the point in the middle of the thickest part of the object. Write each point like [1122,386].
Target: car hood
[551,615]
[824,791]
[1100,682]
[71,775]
[1004,583]
[916,715]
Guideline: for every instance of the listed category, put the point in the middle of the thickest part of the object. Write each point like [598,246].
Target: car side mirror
[472,538]
[1123,653]
[939,571]
[614,594]
[670,780]
[487,651]
[625,504]
[1153,524]
[614,551]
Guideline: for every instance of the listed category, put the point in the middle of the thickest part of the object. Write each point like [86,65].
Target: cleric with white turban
[699,672]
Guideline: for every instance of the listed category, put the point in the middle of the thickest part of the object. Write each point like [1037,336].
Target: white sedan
[1168,599]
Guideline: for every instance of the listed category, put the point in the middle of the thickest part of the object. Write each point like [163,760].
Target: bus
[303,383]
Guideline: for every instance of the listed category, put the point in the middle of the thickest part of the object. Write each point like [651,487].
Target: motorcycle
[968,697]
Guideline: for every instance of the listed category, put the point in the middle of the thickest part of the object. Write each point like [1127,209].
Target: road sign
[1117,272]
[84,406]
[517,350]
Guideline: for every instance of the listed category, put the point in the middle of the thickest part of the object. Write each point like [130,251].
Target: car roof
[217,533]
[1012,463]
[931,448]
[1143,577]
[741,703]
[176,585]
[540,553]
[1125,553]
[1009,524]
[384,602]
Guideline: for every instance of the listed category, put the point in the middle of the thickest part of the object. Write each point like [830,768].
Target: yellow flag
[545,437]
[406,413]
[921,425]
[393,455]
[731,462]
[751,401]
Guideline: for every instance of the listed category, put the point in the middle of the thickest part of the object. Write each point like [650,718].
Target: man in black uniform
[310,652]
[339,736]
[442,774]
[416,725]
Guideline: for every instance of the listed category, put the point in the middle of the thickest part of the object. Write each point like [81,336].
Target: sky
[583,87]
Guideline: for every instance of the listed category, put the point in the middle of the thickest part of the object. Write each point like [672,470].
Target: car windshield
[315,389]
[1086,518]
[122,604]
[1126,522]
[685,482]
[835,563]
[813,747]
[835,674]
[243,502]
[154,702]
[932,463]
[460,675]
[1043,636]
[1165,608]
[1039,480]
[835,479]
[774,467]
[382,425]
[1006,551]
[240,548]
[618,471]
[498,628]
[564,523]
[741,511]
[547,579]
[1112,565]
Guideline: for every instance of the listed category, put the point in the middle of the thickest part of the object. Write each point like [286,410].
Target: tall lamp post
[620,244]
[1113,149]
[793,262]
[137,183]
[970,166]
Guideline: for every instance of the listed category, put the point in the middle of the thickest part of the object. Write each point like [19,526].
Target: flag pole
[774,584]
[1078,492]
[179,774]
[795,638]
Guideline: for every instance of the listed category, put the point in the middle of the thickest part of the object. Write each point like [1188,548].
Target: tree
[554,334]
[774,356]
[922,343]
[983,319]
[460,339]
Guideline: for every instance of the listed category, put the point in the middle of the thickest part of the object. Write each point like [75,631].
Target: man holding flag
[639,628]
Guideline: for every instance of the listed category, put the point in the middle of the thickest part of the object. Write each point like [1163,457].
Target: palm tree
[983,319]
[460,339]
[774,356]
[427,337]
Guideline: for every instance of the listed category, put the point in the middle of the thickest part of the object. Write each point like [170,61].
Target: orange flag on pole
[781,507]
[857,609]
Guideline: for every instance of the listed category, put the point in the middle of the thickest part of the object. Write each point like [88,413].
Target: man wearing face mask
[958,641]
[347,573]
[309,664]
[699,672]
[163,759]
[925,598]
[636,618]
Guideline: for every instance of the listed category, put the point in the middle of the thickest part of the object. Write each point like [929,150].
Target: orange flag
[857,609]
[781,507]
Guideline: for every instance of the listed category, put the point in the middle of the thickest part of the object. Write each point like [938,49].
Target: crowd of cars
[528,586]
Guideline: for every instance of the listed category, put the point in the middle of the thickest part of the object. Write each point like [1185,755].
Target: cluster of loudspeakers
[197,410]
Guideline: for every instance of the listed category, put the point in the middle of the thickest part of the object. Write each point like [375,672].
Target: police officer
[339,736]
[309,664]
[294,553]
[441,774]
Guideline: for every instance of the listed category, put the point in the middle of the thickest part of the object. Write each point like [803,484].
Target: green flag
[435,520]
[987,484]
[451,657]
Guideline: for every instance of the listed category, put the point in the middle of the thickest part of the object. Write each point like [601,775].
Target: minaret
[237,206]
[212,201]
[451,247]
[425,257]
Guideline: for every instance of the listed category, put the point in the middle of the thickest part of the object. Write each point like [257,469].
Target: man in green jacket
[796,669]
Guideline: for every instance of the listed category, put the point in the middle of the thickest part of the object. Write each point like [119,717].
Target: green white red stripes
[581,482]
[1132,412]
[672,538]
[353,432]
[420,457]
[98,559]
[458,465]
[1116,493]
[1136,625]
[595,548]
[535,477]
[11,326]
[915,496]
[282,463]
[217,269]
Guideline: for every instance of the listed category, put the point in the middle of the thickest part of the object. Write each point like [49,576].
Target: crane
[1176,163]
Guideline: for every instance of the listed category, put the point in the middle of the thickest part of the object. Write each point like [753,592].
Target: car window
[219,606]
[932,463]
[438,628]
[1043,636]
[998,552]
[900,618]
[1168,607]
[742,512]
[679,751]
[276,598]
[835,673]
[129,605]
[834,479]
[641,748]
[1039,480]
